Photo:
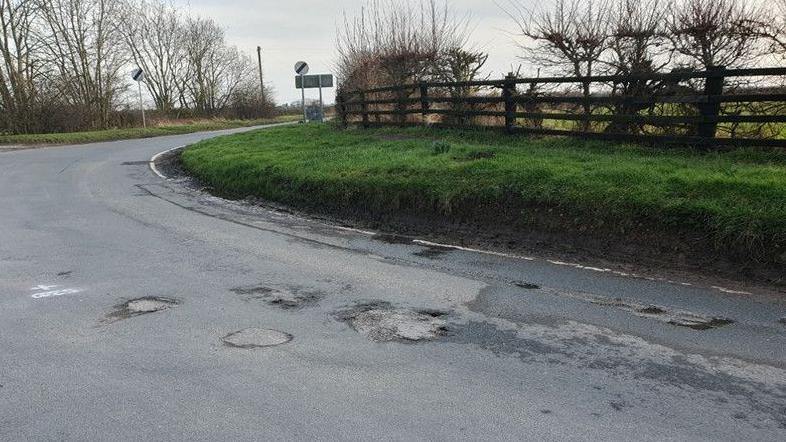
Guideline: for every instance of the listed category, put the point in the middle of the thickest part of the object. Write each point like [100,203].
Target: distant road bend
[134,308]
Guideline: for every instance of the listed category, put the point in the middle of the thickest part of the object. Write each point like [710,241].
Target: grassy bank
[735,201]
[170,128]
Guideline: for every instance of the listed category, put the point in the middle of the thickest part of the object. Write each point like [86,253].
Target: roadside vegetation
[65,66]
[734,200]
[162,128]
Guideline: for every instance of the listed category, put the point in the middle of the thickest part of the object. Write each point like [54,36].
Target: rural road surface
[134,308]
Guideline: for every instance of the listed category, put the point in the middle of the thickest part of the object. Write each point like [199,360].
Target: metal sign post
[319,81]
[321,104]
[301,68]
[138,75]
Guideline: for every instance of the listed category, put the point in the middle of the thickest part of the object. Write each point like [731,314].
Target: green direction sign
[313,81]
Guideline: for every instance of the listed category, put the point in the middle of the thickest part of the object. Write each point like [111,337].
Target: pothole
[433,252]
[381,322]
[651,310]
[255,292]
[680,318]
[525,285]
[142,306]
[251,338]
[290,298]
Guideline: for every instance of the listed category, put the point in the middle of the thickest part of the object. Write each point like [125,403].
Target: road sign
[138,74]
[319,81]
[301,68]
[313,81]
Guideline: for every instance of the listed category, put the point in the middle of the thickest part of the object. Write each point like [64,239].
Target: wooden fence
[745,107]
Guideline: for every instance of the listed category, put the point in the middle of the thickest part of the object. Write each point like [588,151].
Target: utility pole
[261,78]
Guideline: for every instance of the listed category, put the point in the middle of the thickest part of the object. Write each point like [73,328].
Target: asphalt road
[523,348]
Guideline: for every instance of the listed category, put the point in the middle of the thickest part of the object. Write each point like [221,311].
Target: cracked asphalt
[117,288]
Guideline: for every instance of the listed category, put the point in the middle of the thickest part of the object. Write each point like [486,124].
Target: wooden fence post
[508,91]
[424,105]
[713,85]
[341,109]
[364,109]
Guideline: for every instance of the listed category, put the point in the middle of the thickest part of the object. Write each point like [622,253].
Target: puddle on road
[289,298]
[141,306]
[381,322]
[251,338]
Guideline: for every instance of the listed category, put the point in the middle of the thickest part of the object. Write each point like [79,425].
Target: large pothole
[251,338]
[289,298]
[381,322]
[141,306]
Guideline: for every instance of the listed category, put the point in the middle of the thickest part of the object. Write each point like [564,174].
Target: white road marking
[44,287]
[157,156]
[467,249]
[53,293]
[733,292]
[46,291]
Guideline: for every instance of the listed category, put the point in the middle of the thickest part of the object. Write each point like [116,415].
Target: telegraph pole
[261,78]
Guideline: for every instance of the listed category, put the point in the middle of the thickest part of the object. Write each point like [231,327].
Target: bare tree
[19,67]
[404,41]
[638,38]
[202,40]
[712,33]
[638,44]
[397,42]
[460,65]
[566,35]
[84,47]
[775,30]
[153,33]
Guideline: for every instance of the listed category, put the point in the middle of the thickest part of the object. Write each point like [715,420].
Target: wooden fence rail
[676,107]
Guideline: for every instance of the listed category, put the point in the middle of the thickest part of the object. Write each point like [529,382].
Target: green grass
[736,198]
[131,133]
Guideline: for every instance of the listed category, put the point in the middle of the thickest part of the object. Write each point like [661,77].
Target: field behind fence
[717,107]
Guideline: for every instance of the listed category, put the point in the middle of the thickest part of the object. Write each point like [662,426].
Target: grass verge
[173,128]
[732,202]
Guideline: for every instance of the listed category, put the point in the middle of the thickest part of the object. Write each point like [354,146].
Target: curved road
[521,348]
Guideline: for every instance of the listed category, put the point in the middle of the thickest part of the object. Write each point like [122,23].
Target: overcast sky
[291,30]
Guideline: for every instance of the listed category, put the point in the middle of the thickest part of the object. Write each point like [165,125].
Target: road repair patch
[251,338]
[381,322]
[141,306]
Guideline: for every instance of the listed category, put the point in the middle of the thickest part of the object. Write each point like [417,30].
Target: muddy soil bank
[513,226]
